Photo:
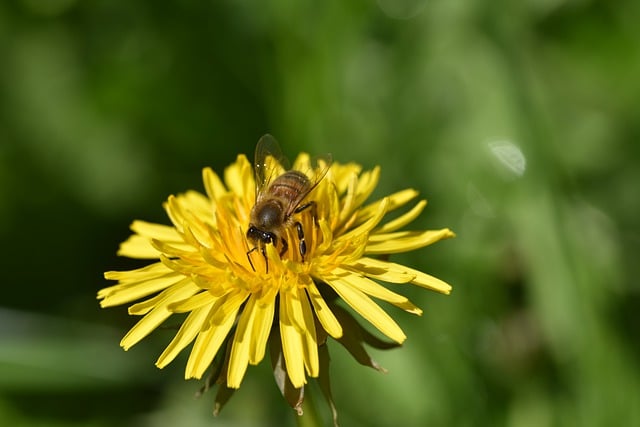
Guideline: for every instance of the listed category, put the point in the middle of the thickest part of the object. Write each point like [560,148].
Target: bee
[279,197]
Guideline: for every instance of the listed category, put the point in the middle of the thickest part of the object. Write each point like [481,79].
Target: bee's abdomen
[290,185]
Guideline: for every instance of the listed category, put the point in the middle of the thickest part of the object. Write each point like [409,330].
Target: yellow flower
[239,300]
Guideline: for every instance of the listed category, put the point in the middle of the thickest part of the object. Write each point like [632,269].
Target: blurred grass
[517,120]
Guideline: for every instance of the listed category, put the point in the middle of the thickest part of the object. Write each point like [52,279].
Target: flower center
[295,241]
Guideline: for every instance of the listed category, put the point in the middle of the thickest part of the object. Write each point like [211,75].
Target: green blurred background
[518,121]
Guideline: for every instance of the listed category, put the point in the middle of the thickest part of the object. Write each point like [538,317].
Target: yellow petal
[248,179]
[325,316]
[214,258]
[191,326]
[132,277]
[226,305]
[395,200]
[156,231]
[198,205]
[147,305]
[193,302]
[327,236]
[200,231]
[292,347]
[206,347]
[201,240]
[429,282]
[367,182]
[138,247]
[238,177]
[348,201]
[302,162]
[127,292]
[193,211]
[174,210]
[367,226]
[375,290]
[250,339]
[368,309]
[210,339]
[185,267]
[213,184]
[301,317]
[381,270]
[181,250]
[196,240]
[404,241]
[241,343]
[144,273]
[329,207]
[343,173]
[159,313]
[310,342]
[265,311]
[275,262]
[294,311]
[402,220]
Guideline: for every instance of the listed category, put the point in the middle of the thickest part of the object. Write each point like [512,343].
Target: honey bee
[279,197]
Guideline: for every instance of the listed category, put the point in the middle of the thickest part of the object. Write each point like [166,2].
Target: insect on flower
[323,245]
[281,193]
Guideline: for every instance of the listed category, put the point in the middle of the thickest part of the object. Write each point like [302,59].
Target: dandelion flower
[239,300]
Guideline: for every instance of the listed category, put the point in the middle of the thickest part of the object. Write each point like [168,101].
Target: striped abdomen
[291,186]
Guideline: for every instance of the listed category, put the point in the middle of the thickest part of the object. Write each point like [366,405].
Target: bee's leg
[302,247]
[249,257]
[312,205]
[264,254]
[285,246]
[266,259]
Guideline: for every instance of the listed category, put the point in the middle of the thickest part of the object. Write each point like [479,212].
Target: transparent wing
[315,169]
[269,162]
[319,166]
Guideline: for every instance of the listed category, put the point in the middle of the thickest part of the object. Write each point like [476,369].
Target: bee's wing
[316,170]
[269,162]
[320,165]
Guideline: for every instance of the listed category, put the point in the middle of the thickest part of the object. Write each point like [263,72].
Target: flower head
[238,300]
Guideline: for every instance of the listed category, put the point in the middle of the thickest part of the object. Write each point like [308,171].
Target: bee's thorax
[268,215]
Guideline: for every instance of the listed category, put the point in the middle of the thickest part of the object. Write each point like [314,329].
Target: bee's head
[257,235]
